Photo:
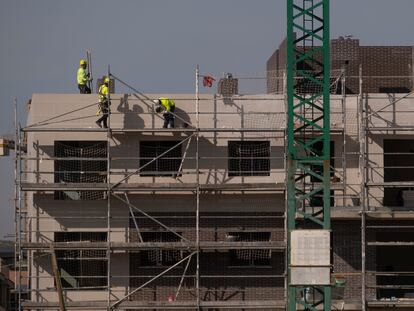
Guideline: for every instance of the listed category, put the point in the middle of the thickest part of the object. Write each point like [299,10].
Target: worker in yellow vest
[83,78]
[167,106]
[103,107]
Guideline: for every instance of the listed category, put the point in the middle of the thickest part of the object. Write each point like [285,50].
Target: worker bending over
[103,107]
[83,78]
[167,106]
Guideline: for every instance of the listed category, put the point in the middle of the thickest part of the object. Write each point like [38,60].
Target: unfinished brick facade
[387,69]
[220,276]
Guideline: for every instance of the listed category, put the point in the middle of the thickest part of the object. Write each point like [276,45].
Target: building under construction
[298,199]
[141,217]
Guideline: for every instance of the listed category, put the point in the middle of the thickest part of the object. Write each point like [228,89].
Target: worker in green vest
[83,78]
[167,106]
[103,107]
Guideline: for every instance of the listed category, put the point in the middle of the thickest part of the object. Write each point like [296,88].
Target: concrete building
[140,217]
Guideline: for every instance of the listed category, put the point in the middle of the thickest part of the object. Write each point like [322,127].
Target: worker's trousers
[169,119]
[104,107]
[84,89]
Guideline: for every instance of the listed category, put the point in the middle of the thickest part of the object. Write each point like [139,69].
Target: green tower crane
[308,155]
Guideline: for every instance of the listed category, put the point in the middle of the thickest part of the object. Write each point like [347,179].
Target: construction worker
[83,78]
[103,107]
[167,106]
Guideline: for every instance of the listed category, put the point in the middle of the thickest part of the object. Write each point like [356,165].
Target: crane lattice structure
[308,136]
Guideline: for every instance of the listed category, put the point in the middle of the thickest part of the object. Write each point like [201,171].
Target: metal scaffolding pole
[109,190]
[114,305]
[57,277]
[19,220]
[151,161]
[198,190]
[344,124]
[17,206]
[152,218]
[133,218]
[285,220]
[182,279]
[363,190]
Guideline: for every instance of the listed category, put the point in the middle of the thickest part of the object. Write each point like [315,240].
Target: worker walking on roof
[167,106]
[83,77]
[104,103]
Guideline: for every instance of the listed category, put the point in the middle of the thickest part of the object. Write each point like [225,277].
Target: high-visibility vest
[167,103]
[103,93]
[81,76]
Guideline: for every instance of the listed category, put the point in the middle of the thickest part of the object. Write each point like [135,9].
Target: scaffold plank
[266,304]
[390,128]
[128,246]
[390,303]
[390,243]
[391,184]
[151,186]
[153,130]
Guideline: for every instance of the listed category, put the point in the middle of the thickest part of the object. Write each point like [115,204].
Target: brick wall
[393,63]
[275,67]
[346,247]
[214,228]
[346,244]
[387,61]
[220,280]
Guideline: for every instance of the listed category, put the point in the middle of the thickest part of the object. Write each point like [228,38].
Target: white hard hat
[156,101]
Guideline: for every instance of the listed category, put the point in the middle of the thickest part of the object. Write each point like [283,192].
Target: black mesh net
[249,158]
[160,257]
[251,256]
[85,267]
[80,171]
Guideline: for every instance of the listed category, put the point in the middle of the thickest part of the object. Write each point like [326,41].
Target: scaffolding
[175,246]
[86,172]
[385,188]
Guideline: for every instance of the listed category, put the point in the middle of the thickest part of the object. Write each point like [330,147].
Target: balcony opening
[394,265]
[399,167]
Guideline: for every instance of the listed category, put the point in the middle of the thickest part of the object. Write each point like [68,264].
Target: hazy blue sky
[155,44]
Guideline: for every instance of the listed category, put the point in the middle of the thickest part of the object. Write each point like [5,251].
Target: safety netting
[80,268]
[249,158]
[80,171]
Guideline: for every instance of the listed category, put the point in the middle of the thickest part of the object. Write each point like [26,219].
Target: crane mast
[308,155]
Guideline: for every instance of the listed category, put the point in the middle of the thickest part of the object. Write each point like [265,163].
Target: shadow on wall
[182,119]
[80,268]
[132,120]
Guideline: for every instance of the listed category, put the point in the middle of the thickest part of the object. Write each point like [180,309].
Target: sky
[155,45]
